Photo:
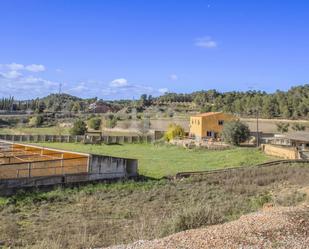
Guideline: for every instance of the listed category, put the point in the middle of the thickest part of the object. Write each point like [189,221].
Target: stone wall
[280,151]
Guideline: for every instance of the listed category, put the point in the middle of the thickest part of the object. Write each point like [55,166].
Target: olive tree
[235,132]
[79,128]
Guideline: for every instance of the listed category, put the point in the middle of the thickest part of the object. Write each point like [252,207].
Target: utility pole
[60,88]
[257,122]
[59,97]
[257,129]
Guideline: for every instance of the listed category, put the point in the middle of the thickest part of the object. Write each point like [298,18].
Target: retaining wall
[77,139]
[70,168]
[280,151]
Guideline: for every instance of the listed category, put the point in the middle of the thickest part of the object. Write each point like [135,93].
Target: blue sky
[120,49]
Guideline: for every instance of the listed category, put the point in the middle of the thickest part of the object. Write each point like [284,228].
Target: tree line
[293,103]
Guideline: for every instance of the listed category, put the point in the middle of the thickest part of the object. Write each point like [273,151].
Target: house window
[198,122]
[220,122]
[209,134]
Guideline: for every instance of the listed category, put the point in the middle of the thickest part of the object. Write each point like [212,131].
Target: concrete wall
[123,167]
[77,139]
[35,161]
[280,151]
[11,186]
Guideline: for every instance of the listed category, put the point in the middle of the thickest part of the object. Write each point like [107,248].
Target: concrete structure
[298,141]
[107,139]
[281,151]
[208,125]
[27,165]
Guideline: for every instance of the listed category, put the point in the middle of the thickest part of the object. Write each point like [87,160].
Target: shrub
[110,121]
[235,132]
[195,217]
[174,131]
[298,127]
[79,128]
[94,123]
[36,121]
[282,127]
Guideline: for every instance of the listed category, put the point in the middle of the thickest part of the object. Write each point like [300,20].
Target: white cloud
[173,77]
[22,82]
[15,79]
[80,88]
[122,88]
[11,74]
[121,82]
[163,90]
[19,67]
[205,42]
[15,67]
[35,68]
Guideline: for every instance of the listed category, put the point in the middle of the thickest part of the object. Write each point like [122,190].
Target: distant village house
[100,107]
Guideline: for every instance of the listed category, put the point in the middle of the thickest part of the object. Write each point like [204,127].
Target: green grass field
[158,161]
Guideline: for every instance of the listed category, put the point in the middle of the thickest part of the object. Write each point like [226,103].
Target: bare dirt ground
[269,125]
[265,125]
[272,227]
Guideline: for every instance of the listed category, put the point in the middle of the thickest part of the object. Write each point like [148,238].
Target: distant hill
[64,97]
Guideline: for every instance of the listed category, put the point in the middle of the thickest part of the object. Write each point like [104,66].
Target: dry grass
[106,214]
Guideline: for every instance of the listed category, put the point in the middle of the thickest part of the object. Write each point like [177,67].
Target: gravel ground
[280,227]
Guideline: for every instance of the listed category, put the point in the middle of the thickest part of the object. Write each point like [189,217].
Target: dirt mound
[284,227]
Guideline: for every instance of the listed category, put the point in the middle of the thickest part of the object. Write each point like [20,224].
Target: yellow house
[209,124]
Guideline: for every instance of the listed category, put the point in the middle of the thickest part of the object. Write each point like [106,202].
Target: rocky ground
[272,227]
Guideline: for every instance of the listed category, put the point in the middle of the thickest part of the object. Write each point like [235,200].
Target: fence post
[29,170]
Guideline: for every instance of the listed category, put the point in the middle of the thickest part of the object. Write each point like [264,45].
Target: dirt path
[284,227]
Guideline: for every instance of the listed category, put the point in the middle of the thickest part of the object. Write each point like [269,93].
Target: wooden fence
[107,139]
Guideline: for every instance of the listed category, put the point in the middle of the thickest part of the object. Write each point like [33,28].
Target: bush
[235,132]
[79,128]
[110,121]
[94,123]
[174,131]
[282,127]
[36,121]
[195,217]
[298,127]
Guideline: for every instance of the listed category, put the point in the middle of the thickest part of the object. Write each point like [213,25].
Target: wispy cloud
[23,82]
[121,82]
[115,89]
[35,68]
[205,42]
[19,80]
[163,90]
[173,77]
[122,87]
[11,74]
